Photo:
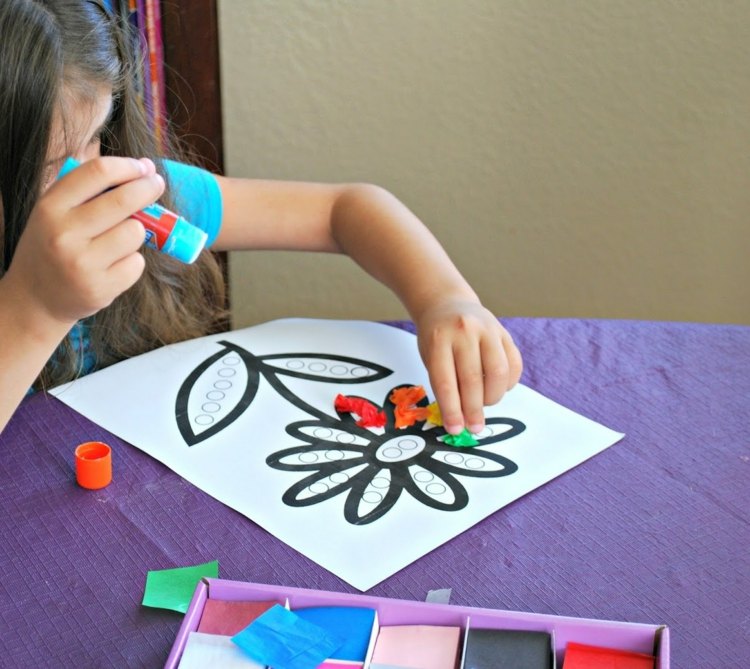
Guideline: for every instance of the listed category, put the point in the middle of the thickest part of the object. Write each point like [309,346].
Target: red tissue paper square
[581,656]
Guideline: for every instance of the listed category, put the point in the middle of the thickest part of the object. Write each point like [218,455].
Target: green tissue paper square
[173,588]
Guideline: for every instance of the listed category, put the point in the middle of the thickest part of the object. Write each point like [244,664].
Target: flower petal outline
[183,394]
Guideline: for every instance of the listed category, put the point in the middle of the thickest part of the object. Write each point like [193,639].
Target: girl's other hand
[471,359]
[79,249]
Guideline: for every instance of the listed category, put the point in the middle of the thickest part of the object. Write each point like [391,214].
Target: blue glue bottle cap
[186,242]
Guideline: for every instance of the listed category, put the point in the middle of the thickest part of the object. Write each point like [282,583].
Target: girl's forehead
[77,118]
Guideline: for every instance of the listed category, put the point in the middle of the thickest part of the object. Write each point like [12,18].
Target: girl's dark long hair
[53,47]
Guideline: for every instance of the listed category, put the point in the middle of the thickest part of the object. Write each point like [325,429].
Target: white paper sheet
[248,417]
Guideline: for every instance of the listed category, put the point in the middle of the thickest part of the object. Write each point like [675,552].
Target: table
[655,529]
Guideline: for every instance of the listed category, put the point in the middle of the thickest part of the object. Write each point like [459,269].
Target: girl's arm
[29,339]
[470,357]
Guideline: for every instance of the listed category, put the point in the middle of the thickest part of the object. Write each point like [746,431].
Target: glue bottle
[165,231]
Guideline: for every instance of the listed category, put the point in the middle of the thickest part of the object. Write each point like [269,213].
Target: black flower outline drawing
[372,466]
[383,464]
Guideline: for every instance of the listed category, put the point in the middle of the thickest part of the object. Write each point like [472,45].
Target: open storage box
[636,637]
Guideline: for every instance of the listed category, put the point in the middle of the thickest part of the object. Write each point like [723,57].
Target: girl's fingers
[120,203]
[470,383]
[103,192]
[118,242]
[444,384]
[515,361]
[93,178]
[124,273]
[495,367]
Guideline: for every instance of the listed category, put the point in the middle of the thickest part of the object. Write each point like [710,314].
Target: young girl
[78,291]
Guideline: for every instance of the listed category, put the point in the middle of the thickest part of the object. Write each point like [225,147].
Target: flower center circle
[399,449]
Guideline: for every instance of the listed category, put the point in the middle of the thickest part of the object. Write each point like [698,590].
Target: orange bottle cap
[93,465]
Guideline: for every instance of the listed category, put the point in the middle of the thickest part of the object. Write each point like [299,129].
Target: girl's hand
[79,249]
[471,359]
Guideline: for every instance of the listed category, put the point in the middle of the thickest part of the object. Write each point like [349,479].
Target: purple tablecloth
[655,529]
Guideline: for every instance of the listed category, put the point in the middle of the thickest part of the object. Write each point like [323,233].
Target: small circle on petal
[475,463]
[435,488]
[334,454]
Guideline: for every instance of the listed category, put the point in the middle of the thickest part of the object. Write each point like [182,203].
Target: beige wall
[580,158]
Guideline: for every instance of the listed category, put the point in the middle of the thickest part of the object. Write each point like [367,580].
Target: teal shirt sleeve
[197,197]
